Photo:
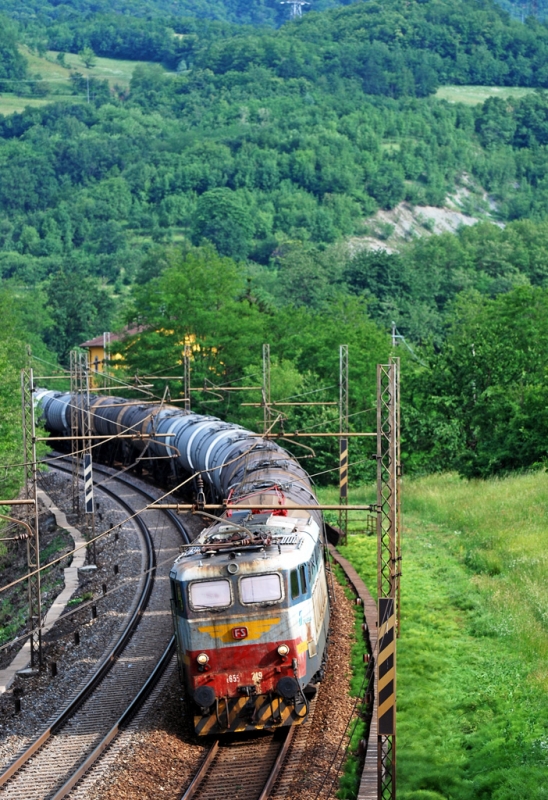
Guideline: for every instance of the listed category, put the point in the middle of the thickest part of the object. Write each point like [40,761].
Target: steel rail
[241,753]
[111,658]
[105,666]
[203,769]
[130,711]
[278,764]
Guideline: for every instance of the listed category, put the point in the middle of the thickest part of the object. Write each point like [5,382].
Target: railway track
[54,763]
[242,769]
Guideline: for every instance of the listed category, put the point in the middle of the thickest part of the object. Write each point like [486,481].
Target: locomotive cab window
[210,594]
[304,582]
[261,588]
[294,579]
[177,594]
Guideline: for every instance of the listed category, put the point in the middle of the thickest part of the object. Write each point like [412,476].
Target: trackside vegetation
[472,676]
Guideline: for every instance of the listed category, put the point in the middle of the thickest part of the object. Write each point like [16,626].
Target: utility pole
[266,388]
[81,432]
[399,523]
[106,358]
[343,441]
[86,432]
[32,517]
[388,571]
[75,400]
[186,377]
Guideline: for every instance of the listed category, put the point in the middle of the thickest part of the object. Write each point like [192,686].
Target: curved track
[245,769]
[53,764]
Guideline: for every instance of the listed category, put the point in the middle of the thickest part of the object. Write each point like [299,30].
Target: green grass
[58,543]
[11,104]
[472,657]
[116,71]
[473,95]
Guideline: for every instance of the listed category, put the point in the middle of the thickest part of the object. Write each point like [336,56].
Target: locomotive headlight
[283,650]
[202,659]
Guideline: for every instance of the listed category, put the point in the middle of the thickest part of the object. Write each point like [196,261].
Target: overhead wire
[121,585]
[131,517]
[334,419]
[336,469]
[305,394]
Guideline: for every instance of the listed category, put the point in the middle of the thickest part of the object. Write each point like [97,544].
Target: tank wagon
[249,596]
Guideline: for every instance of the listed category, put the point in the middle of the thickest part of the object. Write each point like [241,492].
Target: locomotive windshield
[261,589]
[210,594]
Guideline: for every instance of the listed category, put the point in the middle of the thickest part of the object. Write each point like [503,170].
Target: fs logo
[239,633]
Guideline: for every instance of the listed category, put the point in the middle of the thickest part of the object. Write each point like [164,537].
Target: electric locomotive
[249,596]
[251,615]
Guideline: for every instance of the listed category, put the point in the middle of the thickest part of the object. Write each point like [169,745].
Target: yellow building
[99,351]
[96,351]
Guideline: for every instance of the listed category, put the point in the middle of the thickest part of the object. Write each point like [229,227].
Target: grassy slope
[472,662]
[11,104]
[116,71]
[474,95]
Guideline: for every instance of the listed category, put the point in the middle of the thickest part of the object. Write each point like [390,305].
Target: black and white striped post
[88,484]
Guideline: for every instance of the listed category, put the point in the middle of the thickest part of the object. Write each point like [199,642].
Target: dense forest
[208,174]
[256,162]
[33,13]
[38,14]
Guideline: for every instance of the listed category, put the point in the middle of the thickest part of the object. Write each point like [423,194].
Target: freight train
[250,598]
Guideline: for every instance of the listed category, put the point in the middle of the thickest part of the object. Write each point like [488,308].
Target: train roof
[268,541]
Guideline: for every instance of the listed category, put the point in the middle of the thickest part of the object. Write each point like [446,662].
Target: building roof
[114,337]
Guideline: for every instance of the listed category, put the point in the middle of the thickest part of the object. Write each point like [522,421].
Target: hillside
[274,148]
[254,12]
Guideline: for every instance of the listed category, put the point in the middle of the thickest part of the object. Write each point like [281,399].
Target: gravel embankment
[42,696]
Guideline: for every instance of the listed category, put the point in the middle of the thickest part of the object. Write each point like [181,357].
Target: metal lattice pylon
[399,523]
[388,479]
[80,425]
[32,519]
[75,386]
[388,569]
[267,409]
[186,376]
[106,358]
[343,441]
[295,7]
